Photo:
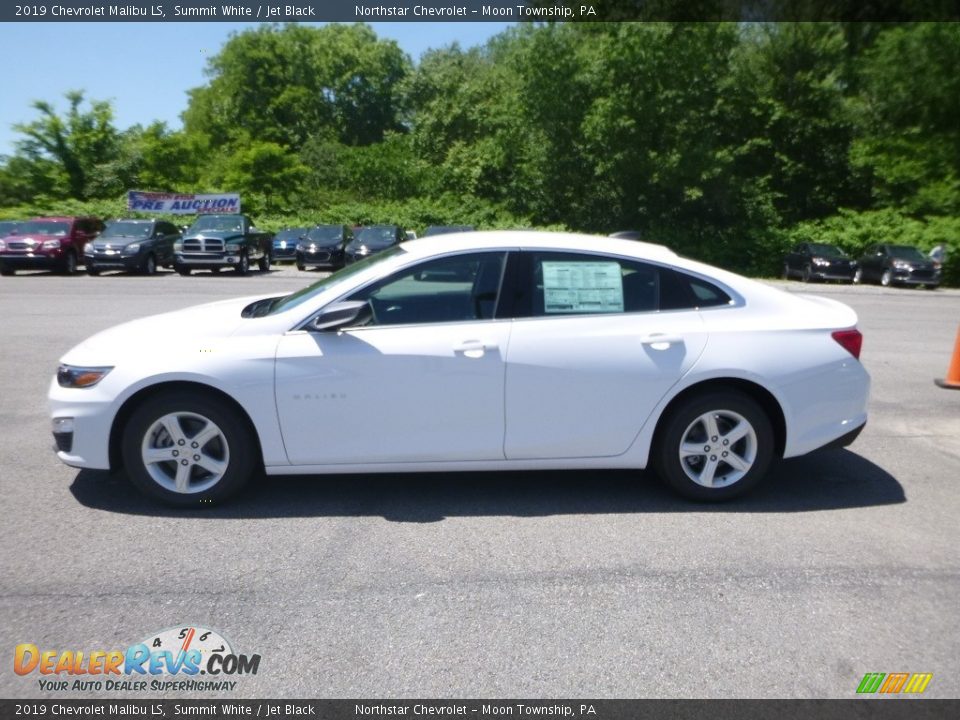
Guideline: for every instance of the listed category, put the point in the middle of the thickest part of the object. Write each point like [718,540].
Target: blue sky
[145,69]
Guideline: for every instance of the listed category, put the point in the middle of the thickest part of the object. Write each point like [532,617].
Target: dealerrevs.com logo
[189,658]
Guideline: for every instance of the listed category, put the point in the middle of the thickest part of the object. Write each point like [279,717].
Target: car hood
[118,241]
[182,328]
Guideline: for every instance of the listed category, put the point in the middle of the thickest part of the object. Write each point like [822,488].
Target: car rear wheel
[149,265]
[264,263]
[886,279]
[187,450]
[714,447]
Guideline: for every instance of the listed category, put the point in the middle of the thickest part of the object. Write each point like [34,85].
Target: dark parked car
[324,247]
[819,261]
[445,229]
[371,239]
[141,245]
[285,243]
[8,227]
[51,243]
[898,264]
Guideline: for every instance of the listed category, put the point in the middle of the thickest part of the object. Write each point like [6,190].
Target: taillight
[851,340]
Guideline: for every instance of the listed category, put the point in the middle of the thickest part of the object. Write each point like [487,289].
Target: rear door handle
[474,348]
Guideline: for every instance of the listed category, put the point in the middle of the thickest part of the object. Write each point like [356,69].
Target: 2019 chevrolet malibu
[479,351]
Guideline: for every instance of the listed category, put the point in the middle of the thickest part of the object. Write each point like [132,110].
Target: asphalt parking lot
[572,584]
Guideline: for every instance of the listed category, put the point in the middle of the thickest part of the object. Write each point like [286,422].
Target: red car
[51,243]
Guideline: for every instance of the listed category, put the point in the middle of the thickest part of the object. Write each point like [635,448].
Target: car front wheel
[187,450]
[264,263]
[886,279]
[243,264]
[715,446]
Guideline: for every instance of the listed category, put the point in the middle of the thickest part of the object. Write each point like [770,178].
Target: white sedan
[479,351]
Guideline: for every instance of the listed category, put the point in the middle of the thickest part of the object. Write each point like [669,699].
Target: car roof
[536,239]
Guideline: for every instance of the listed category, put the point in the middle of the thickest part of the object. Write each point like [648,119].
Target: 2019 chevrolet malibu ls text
[478,351]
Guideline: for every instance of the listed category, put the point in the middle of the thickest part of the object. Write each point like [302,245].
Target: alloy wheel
[718,448]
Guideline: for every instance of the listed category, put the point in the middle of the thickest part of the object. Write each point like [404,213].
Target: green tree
[75,142]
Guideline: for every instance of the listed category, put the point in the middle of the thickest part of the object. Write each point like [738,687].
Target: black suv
[285,243]
[323,247]
[140,245]
[898,264]
[371,239]
[818,261]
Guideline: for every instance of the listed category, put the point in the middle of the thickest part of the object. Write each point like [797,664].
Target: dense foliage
[727,142]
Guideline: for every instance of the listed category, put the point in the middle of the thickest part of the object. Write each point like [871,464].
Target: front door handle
[661,341]
[473,348]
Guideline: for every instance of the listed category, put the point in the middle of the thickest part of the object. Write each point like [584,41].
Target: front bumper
[92,412]
[114,261]
[322,258]
[287,254]
[207,261]
[911,277]
[833,274]
[32,261]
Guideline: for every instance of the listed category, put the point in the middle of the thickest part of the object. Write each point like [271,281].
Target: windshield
[905,252]
[331,281]
[217,223]
[825,250]
[126,228]
[325,233]
[44,227]
[8,227]
[376,235]
[290,234]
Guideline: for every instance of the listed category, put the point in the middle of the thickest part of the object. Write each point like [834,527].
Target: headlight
[71,376]
[232,247]
[88,249]
[901,265]
[51,244]
[178,246]
[819,262]
[3,246]
[132,248]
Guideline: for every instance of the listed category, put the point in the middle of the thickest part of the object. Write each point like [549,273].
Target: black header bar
[482,11]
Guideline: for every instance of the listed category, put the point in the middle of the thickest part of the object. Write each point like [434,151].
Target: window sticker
[582,287]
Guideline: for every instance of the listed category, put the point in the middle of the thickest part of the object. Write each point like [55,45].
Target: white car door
[593,355]
[424,381]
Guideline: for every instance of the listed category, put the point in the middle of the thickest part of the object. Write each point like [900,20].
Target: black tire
[887,278]
[234,445]
[301,266]
[215,271]
[806,274]
[786,272]
[857,276]
[69,265]
[243,267]
[149,266]
[264,262]
[7,271]
[683,423]
[182,270]
[92,271]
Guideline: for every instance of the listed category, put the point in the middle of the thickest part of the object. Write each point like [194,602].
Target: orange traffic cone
[952,381]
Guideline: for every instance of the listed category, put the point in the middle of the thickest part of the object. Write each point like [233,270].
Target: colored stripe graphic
[870,682]
[894,682]
[918,682]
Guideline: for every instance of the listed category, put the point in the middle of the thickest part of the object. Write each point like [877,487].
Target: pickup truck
[215,242]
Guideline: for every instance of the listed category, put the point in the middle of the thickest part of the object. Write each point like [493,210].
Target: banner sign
[182,203]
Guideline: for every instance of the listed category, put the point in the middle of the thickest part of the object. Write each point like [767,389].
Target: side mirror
[341,315]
